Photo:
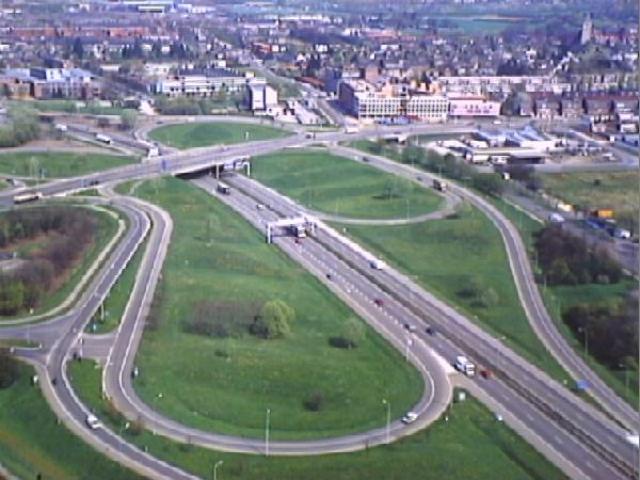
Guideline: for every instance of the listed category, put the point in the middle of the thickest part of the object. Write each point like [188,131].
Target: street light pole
[266,433]
[388,432]
[215,469]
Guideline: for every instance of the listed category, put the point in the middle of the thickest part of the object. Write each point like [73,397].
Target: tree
[353,331]
[128,119]
[274,320]
[413,155]
[491,184]
[78,48]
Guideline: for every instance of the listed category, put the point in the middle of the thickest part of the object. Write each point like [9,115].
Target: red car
[486,373]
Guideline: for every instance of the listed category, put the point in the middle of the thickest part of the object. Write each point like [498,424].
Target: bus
[224,188]
[27,197]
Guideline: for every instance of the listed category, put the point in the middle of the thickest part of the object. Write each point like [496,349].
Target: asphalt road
[119,388]
[528,292]
[567,421]
[585,437]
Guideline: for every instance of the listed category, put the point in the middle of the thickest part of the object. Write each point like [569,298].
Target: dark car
[430,331]
[379,302]
[486,373]
[94,182]
[329,276]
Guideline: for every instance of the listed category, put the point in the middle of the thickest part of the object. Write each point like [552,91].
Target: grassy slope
[107,228]
[444,255]
[616,190]
[227,384]
[58,164]
[117,300]
[336,185]
[471,445]
[190,135]
[32,441]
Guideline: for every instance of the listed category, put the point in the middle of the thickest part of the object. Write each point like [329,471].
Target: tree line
[568,260]
[68,230]
[450,167]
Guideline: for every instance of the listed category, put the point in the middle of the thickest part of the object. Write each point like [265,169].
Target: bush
[315,402]
[9,369]
[341,342]
[610,328]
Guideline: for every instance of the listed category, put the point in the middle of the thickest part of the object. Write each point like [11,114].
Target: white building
[473,107]
[206,84]
[365,101]
[261,97]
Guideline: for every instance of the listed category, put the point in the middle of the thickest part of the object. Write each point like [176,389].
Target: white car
[92,422]
[409,417]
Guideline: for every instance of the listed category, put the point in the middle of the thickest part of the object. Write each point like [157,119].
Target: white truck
[103,138]
[464,365]
[376,264]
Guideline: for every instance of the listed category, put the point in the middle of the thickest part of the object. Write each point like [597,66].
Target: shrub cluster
[567,260]
[69,231]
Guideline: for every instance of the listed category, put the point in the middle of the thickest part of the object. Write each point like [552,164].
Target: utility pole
[266,433]
[388,429]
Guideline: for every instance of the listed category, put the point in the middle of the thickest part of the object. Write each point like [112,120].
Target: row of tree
[193,106]
[566,259]
[69,231]
[449,166]
[273,319]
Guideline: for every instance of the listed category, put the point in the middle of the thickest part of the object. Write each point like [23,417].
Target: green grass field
[471,445]
[107,228]
[340,186]
[453,255]
[226,384]
[33,442]
[202,134]
[108,319]
[58,164]
[590,190]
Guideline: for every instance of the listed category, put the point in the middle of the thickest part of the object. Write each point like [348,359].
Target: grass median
[470,445]
[108,318]
[335,185]
[47,165]
[220,265]
[203,134]
[33,442]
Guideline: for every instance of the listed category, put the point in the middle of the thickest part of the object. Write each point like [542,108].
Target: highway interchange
[580,439]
